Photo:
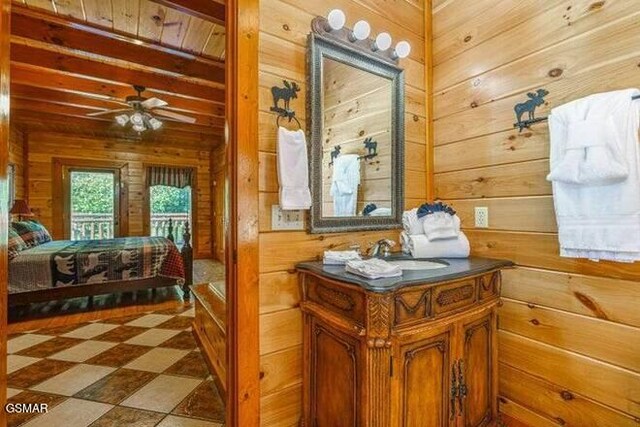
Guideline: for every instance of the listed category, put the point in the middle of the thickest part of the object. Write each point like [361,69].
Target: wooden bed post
[187,257]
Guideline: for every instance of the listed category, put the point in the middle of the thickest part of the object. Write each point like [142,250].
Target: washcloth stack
[433,231]
[373,268]
[340,257]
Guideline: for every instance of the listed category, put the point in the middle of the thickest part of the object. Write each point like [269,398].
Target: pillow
[32,232]
[16,244]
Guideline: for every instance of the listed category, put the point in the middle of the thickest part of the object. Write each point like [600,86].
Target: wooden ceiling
[74,57]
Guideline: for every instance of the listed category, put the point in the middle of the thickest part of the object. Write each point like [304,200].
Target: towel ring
[290,117]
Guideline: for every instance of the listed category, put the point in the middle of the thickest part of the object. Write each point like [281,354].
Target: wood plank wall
[284,25]
[17,152]
[43,147]
[569,330]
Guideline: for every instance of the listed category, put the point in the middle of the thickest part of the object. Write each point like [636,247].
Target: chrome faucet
[381,248]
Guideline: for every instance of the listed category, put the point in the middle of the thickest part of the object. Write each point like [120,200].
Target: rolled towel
[373,268]
[411,223]
[441,225]
[339,257]
[420,247]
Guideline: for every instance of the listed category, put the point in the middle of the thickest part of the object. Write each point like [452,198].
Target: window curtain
[169,176]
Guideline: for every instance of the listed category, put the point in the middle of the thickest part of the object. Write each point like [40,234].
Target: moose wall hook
[529,106]
[286,94]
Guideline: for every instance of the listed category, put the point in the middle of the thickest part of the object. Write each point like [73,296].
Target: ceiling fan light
[122,119]
[137,119]
[139,128]
[155,123]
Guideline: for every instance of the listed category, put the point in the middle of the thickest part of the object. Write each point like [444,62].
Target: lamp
[383,42]
[21,209]
[361,31]
[402,50]
[336,20]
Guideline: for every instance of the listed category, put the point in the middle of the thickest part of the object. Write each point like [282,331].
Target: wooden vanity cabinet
[420,356]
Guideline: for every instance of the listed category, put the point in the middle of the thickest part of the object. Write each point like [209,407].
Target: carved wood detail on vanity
[392,358]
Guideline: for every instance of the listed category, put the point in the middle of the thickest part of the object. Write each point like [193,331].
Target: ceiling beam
[74,34]
[28,75]
[22,92]
[19,104]
[91,66]
[204,9]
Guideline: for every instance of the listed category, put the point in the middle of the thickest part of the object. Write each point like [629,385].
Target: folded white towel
[599,221]
[593,154]
[373,268]
[340,257]
[411,223]
[381,212]
[441,225]
[293,170]
[420,247]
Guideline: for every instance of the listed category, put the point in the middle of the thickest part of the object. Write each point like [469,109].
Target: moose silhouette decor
[529,106]
[369,144]
[286,94]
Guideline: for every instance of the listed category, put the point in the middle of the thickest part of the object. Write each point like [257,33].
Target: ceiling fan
[141,112]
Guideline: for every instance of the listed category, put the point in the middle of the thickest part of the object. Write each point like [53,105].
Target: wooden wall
[17,157]
[284,25]
[43,147]
[569,329]
[357,105]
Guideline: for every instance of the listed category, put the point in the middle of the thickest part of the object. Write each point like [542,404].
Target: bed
[60,269]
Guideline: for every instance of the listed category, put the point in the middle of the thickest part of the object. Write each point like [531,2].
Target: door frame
[242,261]
[5,33]
[61,207]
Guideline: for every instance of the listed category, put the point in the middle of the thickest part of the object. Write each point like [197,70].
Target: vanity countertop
[457,268]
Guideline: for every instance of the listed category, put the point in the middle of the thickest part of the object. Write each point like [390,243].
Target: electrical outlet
[286,220]
[482,217]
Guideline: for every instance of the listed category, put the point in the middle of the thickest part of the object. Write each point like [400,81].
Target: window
[169,202]
[92,204]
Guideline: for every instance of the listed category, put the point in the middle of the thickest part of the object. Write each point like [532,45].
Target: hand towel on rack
[441,225]
[592,152]
[420,247]
[599,221]
[344,185]
[293,170]
[411,223]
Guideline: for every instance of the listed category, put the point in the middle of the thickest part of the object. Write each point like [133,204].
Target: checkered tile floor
[142,370]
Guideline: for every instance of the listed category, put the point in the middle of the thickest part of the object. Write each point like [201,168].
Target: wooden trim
[242,287]
[80,35]
[146,207]
[428,86]
[204,9]
[60,201]
[5,11]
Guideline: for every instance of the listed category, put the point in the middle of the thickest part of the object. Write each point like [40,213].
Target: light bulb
[137,119]
[361,30]
[155,123]
[139,128]
[122,119]
[336,20]
[403,49]
[383,42]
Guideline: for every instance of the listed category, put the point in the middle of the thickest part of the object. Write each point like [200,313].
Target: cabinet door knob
[462,386]
[453,394]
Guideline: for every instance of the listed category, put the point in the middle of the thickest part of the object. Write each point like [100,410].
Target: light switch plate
[482,217]
[286,220]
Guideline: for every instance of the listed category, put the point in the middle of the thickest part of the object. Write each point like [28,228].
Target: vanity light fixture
[402,50]
[382,43]
[361,31]
[335,20]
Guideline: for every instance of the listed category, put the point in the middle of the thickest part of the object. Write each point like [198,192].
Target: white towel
[293,170]
[340,257]
[599,221]
[373,268]
[344,185]
[411,223]
[441,225]
[381,212]
[420,247]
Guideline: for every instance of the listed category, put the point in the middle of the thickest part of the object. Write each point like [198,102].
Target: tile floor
[142,370]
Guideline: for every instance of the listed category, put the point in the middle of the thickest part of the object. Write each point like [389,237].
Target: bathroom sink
[410,264]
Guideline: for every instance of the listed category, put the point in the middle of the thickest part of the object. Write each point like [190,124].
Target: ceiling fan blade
[104,113]
[175,116]
[152,103]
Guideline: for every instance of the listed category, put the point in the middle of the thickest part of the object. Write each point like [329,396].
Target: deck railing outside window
[100,226]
